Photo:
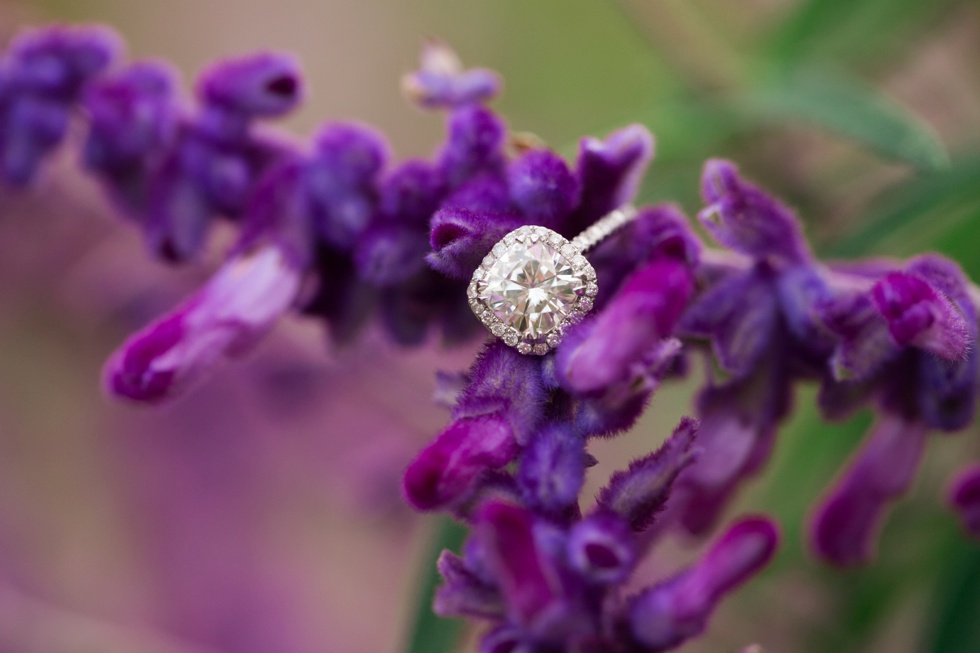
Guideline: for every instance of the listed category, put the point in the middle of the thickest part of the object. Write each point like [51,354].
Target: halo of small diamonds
[531,286]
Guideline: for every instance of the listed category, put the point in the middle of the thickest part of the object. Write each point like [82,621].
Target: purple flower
[845,525]
[667,614]
[226,317]
[441,81]
[964,497]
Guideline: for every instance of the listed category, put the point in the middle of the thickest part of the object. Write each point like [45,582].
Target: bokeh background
[262,512]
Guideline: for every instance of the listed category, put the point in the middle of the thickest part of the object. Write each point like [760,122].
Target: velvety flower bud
[264,85]
[343,181]
[441,81]
[919,315]
[739,315]
[641,491]
[543,187]
[32,126]
[464,593]
[744,218]
[738,426]
[460,238]
[236,307]
[529,584]
[552,469]
[666,615]
[846,523]
[601,548]
[610,172]
[411,193]
[57,61]
[179,214]
[475,144]
[964,497]
[445,470]
[132,118]
[388,254]
[645,311]
[484,193]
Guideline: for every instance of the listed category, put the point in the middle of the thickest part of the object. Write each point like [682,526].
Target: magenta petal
[228,315]
[445,470]
[846,522]
[643,313]
[917,314]
[666,615]
[527,584]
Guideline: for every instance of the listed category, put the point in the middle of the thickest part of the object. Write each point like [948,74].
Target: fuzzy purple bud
[641,491]
[411,193]
[610,172]
[460,239]
[441,82]
[464,593]
[474,144]
[645,311]
[846,523]
[235,309]
[552,469]
[665,615]
[343,178]
[262,85]
[601,548]
[58,61]
[747,219]
[964,497]
[444,471]
[543,187]
[919,315]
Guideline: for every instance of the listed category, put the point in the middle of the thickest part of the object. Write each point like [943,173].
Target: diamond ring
[535,283]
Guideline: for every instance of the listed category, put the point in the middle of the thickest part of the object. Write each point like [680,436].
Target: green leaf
[431,633]
[848,108]
[956,613]
[912,214]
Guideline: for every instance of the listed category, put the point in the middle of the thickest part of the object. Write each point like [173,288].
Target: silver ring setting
[535,283]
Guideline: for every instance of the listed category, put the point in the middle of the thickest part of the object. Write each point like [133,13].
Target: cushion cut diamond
[532,288]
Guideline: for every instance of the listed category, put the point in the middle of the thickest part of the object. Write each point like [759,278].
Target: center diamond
[530,287]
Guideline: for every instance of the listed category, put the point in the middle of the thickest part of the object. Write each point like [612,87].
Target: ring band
[535,283]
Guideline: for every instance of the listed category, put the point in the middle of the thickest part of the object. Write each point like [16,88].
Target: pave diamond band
[535,283]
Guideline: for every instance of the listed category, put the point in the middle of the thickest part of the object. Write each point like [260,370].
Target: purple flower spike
[665,615]
[445,471]
[264,85]
[461,237]
[601,548]
[641,491]
[610,172]
[474,145]
[964,497]
[919,315]
[441,82]
[543,187]
[845,525]
[644,312]
[237,306]
[746,219]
